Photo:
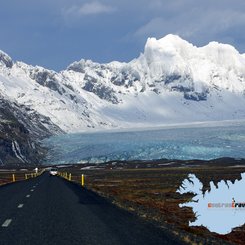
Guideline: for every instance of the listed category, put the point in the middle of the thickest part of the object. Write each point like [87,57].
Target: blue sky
[54,33]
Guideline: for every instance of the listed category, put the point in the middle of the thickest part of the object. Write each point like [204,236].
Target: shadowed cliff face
[20,134]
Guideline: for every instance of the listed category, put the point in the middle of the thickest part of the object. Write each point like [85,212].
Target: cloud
[154,28]
[73,27]
[92,8]
[95,8]
[198,25]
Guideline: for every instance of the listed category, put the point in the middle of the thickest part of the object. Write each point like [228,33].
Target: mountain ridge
[171,82]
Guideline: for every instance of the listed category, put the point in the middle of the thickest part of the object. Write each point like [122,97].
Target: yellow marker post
[13,176]
[70,176]
[82,180]
[25,176]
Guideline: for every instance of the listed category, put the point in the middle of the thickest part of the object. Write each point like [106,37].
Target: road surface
[50,210]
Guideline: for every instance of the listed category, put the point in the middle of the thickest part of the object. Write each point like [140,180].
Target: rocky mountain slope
[20,134]
[172,81]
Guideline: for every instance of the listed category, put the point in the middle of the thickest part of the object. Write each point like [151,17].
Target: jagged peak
[79,66]
[169,39]
[224,55]
[172,50]
[221,47]
[168,42]
[173,45]
[166,48]
[5,59]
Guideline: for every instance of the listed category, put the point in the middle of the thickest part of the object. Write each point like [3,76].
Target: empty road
[50,210]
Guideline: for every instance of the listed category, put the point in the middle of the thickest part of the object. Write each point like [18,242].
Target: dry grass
[152,195]
[6,176]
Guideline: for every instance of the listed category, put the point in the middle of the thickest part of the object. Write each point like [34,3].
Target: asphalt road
[49,210]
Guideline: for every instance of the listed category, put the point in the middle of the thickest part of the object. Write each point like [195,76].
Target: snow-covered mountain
[172,81]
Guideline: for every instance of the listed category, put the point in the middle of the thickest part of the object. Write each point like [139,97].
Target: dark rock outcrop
[20,133]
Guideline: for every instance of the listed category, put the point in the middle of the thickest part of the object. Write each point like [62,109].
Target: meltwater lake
[198,141]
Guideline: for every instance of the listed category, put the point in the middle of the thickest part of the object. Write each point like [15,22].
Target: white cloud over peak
[195,25]
[91,8]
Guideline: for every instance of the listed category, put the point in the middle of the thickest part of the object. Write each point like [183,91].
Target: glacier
[205,141]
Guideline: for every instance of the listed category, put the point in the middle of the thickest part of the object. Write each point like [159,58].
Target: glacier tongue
[172,81]
[206,141]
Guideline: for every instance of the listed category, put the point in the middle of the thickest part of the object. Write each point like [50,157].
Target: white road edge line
[6,222]
[28,195]
[20,205]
